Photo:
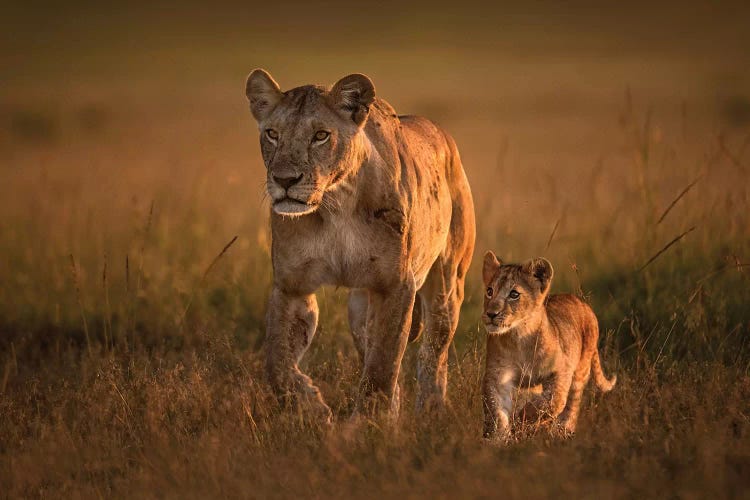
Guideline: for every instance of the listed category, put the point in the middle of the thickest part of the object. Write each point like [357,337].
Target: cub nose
[287,182]
[492,315]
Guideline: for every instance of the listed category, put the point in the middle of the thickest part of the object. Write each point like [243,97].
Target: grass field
[131,356]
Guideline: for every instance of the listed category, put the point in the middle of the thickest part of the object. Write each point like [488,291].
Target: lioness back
[422,164]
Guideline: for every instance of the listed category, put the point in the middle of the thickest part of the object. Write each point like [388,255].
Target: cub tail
[602,383]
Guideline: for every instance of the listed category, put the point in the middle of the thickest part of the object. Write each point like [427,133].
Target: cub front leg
[389,317]
[500,379]
[292,320]
[497,389]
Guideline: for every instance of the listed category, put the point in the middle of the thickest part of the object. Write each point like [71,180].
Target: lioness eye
[272,134]
[489,291]
[514,294]
[321,135]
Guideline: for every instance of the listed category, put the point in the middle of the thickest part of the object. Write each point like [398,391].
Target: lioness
[366,199]
[535,339]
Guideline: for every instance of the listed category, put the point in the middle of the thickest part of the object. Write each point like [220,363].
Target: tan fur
[380,205]
[535,339]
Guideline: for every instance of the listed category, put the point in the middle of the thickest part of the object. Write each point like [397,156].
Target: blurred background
[611,137]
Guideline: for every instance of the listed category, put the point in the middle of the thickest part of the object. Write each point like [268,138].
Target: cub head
[310,137]
[513,292]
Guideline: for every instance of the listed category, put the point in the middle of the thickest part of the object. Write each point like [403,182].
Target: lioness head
[310,137]
[513,292]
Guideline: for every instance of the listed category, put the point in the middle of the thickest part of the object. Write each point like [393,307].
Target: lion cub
[535,339]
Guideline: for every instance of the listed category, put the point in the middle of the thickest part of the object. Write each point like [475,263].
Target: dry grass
[130,347]
[200,422]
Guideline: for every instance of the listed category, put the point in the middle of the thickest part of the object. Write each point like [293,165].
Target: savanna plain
[135,264]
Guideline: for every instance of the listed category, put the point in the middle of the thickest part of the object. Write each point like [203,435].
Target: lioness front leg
[357,309]
[292,320]
[388,321]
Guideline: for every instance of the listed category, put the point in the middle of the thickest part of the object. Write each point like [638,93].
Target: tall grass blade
[679,197]
[202,280]
[77,286]
[666,247]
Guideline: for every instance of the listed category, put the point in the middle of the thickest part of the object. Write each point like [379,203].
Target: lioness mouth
[293,208]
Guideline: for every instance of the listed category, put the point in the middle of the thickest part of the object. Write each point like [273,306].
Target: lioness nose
[287,182]
[492,315]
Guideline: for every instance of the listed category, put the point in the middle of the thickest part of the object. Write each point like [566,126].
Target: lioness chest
[354,251]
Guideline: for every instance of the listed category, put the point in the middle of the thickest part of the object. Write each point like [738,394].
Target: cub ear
[540,269]
[489,267]
[263,93]
[352,96]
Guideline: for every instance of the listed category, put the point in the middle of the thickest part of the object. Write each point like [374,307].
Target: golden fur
[369,200]
[535,339]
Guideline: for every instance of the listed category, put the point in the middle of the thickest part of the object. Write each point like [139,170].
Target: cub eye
[272,134]
[489,291]
[321,135]
[513,295]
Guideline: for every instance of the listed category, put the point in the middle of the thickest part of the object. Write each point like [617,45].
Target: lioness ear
[541,270]
[352,96]
[263,93]
[489,267]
